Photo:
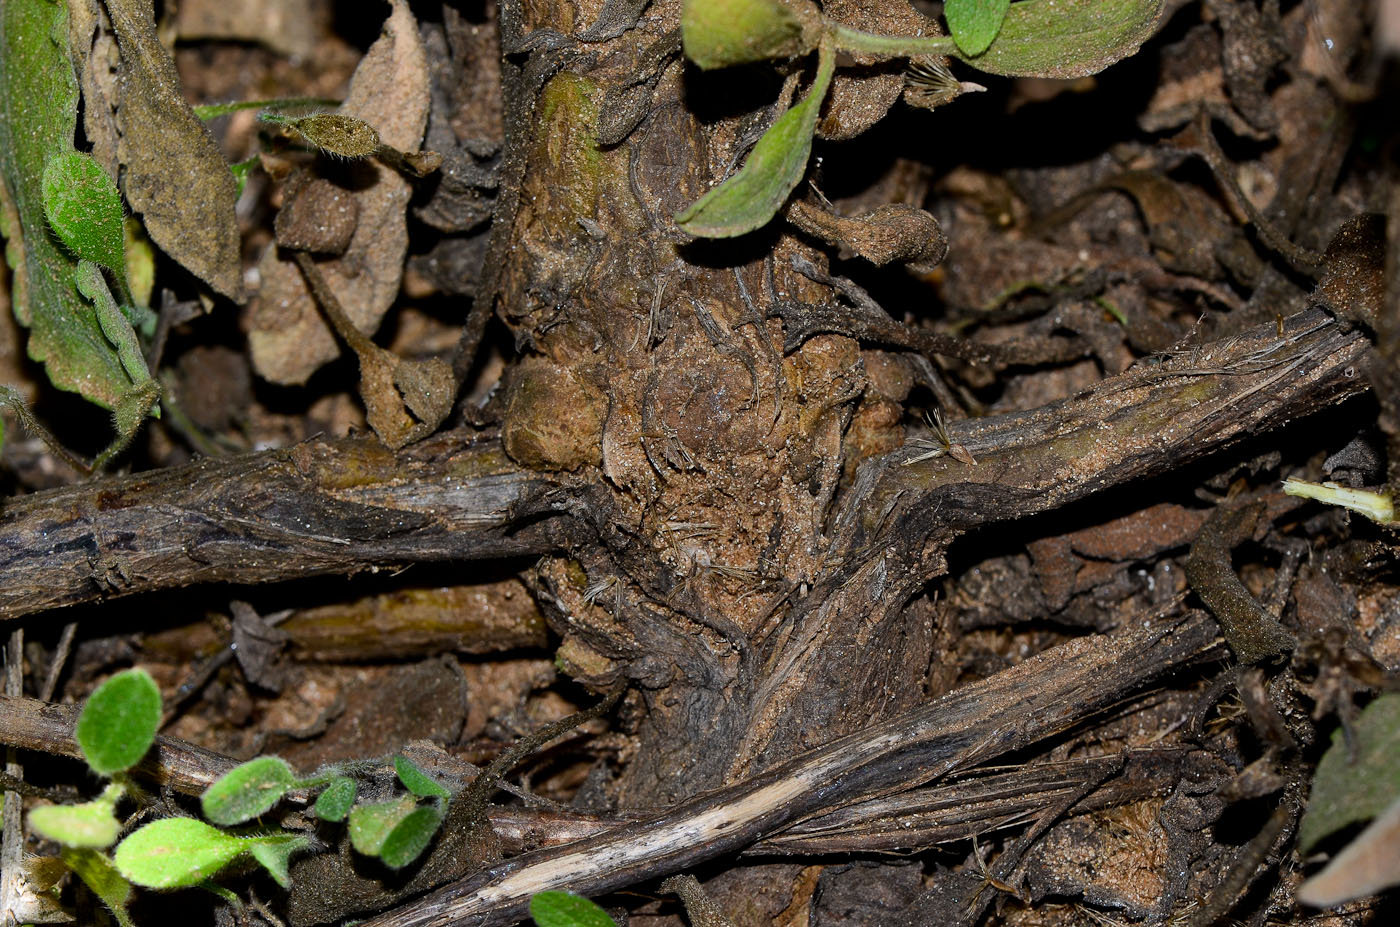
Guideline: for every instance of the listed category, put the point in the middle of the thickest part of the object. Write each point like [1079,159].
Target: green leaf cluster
[115,730]
[1044,38]
[397,831]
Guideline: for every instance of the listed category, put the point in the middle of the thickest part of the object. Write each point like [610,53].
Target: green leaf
[275,853]
[176,853]
[565,909]
[98,874]
[118,724]
[335,802]
[1343,792]
[1066,38]
[417,781]
[974,23]
[719,33]
[410,837]
[38,119]
[91,825]
[370,825]
[247,791]
[749,200]
[84,209]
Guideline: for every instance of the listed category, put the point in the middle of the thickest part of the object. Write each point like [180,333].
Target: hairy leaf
[90,824]
[370,825]
[247,791]
[1066,38]
[334,133]
[749,200]
[118,724]
[84,209]
[176,853]
[974,23]
[417,781]
[274,854]
[410,837]
[38,118]
[565,909]
[1344,792]
[174,173]
[335,802]
[99,874]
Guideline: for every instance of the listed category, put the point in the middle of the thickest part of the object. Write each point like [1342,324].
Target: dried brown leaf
[173,172]
[289,340]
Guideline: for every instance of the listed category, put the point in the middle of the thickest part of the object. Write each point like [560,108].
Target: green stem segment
[891,46]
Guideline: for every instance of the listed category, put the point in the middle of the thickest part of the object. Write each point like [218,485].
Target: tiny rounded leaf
[410,837]
[247,791]
[90,824]
[118,724]
[84,208]
[176,853]
[417,781]
[335,802]
[565,909]
[370,825]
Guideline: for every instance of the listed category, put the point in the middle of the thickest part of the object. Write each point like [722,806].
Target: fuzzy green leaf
[335,802]
[98,873]
[275,853]
[417,781]
[1344,792]
[1066,38]
[565,909]
[749,200]
[84,209]
[410,837]
[38,119]
[90,825]
[176,853]
[370,825]
[247,791]
[118,724]
[974,23]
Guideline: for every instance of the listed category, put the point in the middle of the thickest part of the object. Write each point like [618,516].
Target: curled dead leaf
[288,339]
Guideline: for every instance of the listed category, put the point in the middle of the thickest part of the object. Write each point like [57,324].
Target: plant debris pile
[814,471]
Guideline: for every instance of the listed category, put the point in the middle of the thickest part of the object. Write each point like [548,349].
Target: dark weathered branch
[48,728]
[899,516]
[1009,711]
[319,507]
[1149,420]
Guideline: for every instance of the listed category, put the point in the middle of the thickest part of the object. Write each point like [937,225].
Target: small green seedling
[397,831]
[114,732]
[565,909]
